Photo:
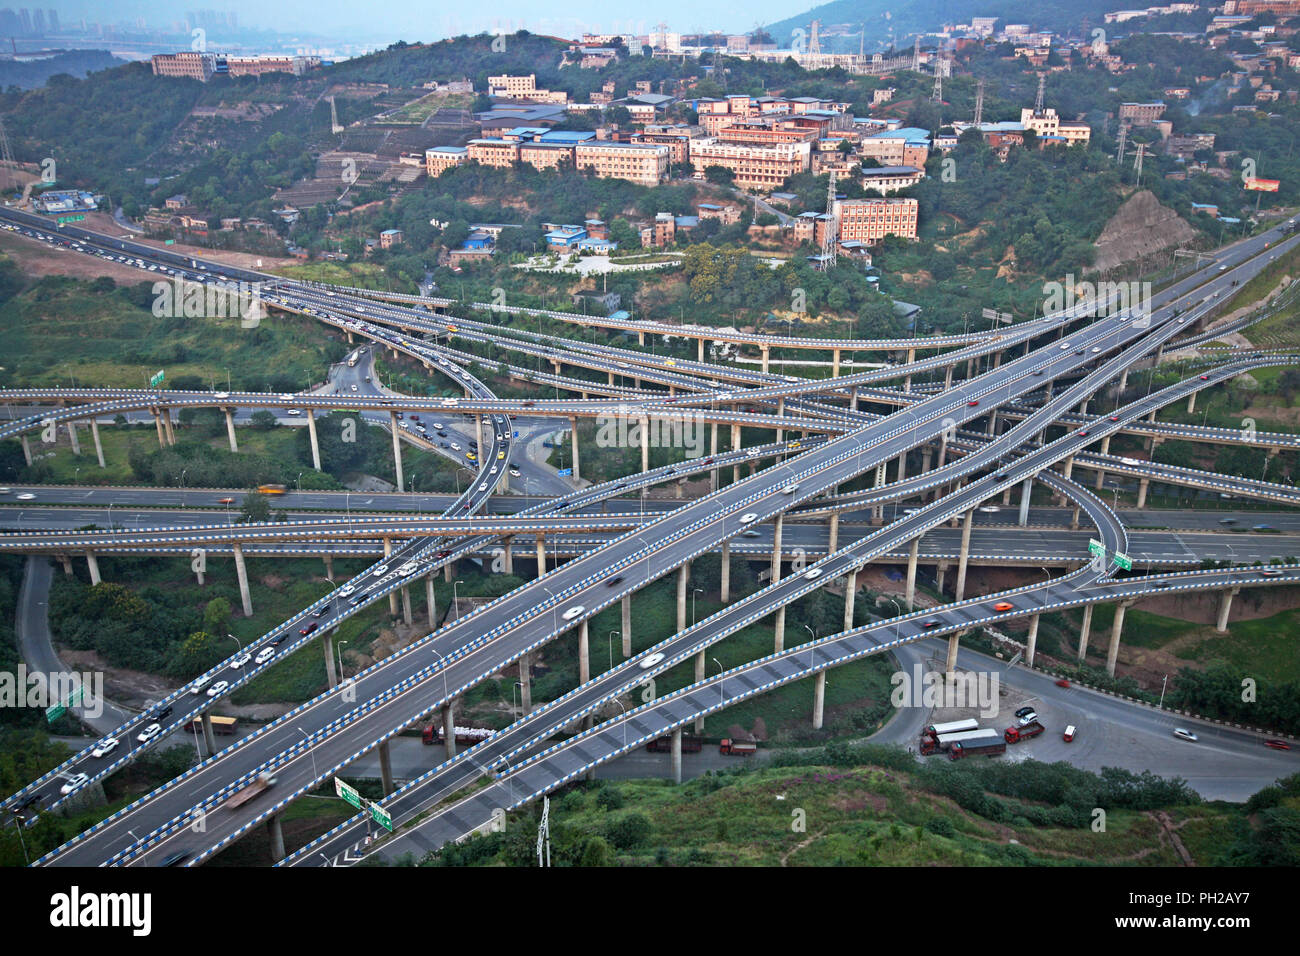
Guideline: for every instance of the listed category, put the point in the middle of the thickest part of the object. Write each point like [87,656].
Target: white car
[790,488]
[221,395]
[80,780]
[105,747]
[813,573]
[1064,346]
[748,518]
[448,402]
[346,590]
[409,568]
[240,661]
[294,412]
[218,688]
[455,447]
[989,509]
[200,685]
[515,473]
[381,570]
[1185,734]
[651,661]
[483,487]
[264,655]
[573,612]
[287,396]
[149,733]
[25,496]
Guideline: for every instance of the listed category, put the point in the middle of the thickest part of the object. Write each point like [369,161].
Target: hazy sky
[415,20]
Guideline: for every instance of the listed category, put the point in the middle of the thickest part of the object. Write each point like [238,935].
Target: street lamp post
[611,647]
[455,600]
[693,593]
[338,652]
[721,671]
[1163,683]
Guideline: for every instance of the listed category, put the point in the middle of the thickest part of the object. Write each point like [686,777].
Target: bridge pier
[331,674]
[1084,631]
[72,435]
[644,440]
[157,421]
[909,594]
[67,564]
[311,435]
[508,554]
[950,661]
[735,446]
[943,452]
[167,424]
[627,625]
[834,541]
[964,558]
[449,727]
[683,576]
[93,564]
[447,571]
[1143,485]
[940,572]
[819,699]
[902,466]
[99,446]
[397,449]
[853,399]
[780,432]
[1225,608]
[676,751]
[406,605]
[241,572]
[699,676]
[230,428]
[724,591]
[1031,643]
[392,595]
[850,596]
[947,377]
[386,768]
[878,510]
[1116,628]
[209,739]
[1191,403]
[526,683]
[430,601]
[541,555]
[27,450]
[276,834]
[713,452]
[1074,519]
[584,653]
[766,352]
[573,430]
[1101,479]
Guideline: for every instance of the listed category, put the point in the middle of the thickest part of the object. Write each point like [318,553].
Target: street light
[611,647]
[338,651]
[236,640]
[1163,683]
[693,593]
[442,660]
[454,599]
[310,750]
[721,696]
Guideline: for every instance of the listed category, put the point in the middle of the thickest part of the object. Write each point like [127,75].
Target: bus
[272,489]
[225,726]
[953,727]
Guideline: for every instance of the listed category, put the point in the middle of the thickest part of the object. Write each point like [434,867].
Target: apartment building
[493,152]
[194,66]
[523,88]
[203,66]
[870,220]
[907,146]
[676,137]
[440,158]
[1141,114]
[887,179]
[644,163]
[755,167]
[1047,123]
[546,155]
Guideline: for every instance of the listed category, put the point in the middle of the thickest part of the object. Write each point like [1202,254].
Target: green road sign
[381,816]
[347,793]
[170,242]
[1095,546]
[77,218]
[1123,561]
[157,379]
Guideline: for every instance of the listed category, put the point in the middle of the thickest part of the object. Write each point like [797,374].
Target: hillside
[31,74]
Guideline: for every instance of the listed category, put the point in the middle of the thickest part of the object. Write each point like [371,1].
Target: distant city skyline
[412,21]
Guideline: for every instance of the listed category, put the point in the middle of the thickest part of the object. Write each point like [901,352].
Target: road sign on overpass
[347,792]
[1123,561]
[1095,547]
[380,816]
[157,378]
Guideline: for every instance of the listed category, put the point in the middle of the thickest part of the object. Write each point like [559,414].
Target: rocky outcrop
[1140,229]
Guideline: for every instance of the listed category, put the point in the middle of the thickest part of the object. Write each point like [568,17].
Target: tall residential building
[1047,123]
[644,163]
[870,220]
[755,167]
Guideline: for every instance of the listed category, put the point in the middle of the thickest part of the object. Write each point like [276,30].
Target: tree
[256,507]
[216,616]
[719,175]
[263,420]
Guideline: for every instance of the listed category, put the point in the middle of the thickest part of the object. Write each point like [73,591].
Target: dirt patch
[131,688]
[37,259]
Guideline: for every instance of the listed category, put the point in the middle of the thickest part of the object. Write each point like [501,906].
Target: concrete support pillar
[508,554]
[947,377]
[241,572]
[541,555]
[950,662]
[230,428]
[766,352]
[1074,518]
[1031,643]
[645,443]
[392,595]
[850,596]
[699,676]
[627,625]
[315,445]
[1191,403]
[940,572]
[1116,628]
[397,449]
[819,699]
[1143,485]
[778,631]
[157,422]
[909,594]
[449,727]
[778,527]
[93,565]
[67,564]
[573,430]
[725,588]
[964,558]
[902,466]
[72,435]
[209,738]
[168,427]
[27,450]
[713,452]
[99,446]
[1101,479]
[331,674]
[834,540]
[676,751]
[430,600]
[926,454]
[699,350]
[1085,631]
[276,835]
[447,571]
[780,412]
[526,683]
[835,363]
[1225,608]
[853,400]
[584,653]
[1105,445]
[406,605]
[683,577]
[735,446]
[386,768]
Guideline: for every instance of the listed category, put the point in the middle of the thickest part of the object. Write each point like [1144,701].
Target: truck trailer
[969,748]
[1013,735]
[737,748]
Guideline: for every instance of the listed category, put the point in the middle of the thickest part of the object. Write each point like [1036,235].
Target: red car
[1002,606]
[1277,744]
[1114,418]
[1062,683]
[1083,433]
[972,403]
[1205,378]
[304,631]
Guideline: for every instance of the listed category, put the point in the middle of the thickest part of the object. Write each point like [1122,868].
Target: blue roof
[567,136]
[907,132]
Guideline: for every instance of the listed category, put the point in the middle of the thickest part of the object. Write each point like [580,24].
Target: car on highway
[220,394]
[200,685]
[149,733]
[294,412]
[1274,744]
[105,747]
[989,509]
[1003,606]
[264,655]
[573,612]
[1205,378]
[225,501]
[1114,418]
[1063,346]
[483,486]
[308,628]
[74,782]
[973,402]
[1083,433]
[514,472]
[1062,682]
[812,573]
[1270,573]
[470,456]
[220,687]
[790,488]
[749,533]
[1096,348]
[346,590]
[501,456]
[409,568]
[748,518]
[240,661]
[930,622]
[1160,584]
[1184,734]
[380,571]
[25,496]
[651,660]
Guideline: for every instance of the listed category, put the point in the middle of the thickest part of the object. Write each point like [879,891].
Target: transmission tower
[916,54]
[937,95]
[1038,101]
[1123,140]
[979,102]
[831,235]
[544,834]
[1137,161]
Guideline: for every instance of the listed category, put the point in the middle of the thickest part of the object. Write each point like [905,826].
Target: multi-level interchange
[984,433]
